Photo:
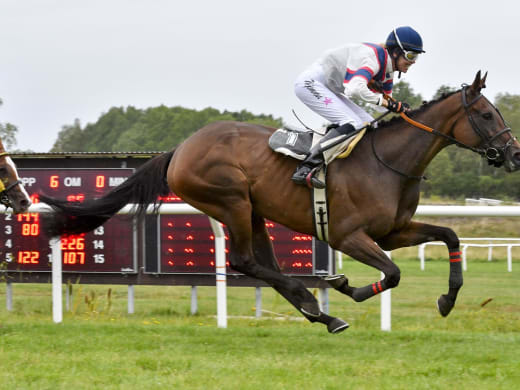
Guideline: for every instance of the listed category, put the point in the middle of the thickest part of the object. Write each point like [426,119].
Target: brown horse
[227,170]
[12,192]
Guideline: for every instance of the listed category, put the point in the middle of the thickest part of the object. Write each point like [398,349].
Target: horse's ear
[478,83]
[483,81]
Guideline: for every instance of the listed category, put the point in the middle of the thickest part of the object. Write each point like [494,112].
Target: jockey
[328,85]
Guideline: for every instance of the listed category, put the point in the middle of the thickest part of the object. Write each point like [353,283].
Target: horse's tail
[142,189]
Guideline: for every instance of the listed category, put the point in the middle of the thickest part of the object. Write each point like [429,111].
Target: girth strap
[320,209]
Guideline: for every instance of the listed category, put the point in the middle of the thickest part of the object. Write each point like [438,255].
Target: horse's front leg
[417,233]
[361,247]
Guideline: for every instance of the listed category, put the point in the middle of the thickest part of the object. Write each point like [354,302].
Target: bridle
[495,155]
[4,191]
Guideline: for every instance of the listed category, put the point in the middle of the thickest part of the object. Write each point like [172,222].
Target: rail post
[509,258]
[386,305]
[57,304]
[220,273]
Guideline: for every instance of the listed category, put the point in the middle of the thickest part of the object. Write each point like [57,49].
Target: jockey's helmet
[407,39]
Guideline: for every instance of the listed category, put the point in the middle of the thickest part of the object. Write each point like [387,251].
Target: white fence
[220,262]
[453,211]
[464,244]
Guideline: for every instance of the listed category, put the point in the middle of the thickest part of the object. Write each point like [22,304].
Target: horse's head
[12,193]
[485,128]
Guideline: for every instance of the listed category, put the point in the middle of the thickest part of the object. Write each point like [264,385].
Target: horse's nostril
[25,203]
[516,158]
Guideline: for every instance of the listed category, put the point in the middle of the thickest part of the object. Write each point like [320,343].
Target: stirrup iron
[312,181]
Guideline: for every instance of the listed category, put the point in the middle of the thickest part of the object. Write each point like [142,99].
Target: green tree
[403,92]
[106,132]
[443,90]
[8,133]
[439,174]
[509,106]
[153,129]
[70,138]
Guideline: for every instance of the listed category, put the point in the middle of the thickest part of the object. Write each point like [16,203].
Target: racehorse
[227,171]
[12,192]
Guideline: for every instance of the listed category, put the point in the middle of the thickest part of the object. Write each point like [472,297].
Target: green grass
[477,227]
[100,346]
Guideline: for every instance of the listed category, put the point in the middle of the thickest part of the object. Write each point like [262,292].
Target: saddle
[292,141]
[297,142]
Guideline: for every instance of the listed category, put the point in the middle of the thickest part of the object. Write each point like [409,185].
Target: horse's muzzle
[15,197]
[512,162]
[22,206]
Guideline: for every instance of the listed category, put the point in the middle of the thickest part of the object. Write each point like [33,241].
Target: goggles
[408,55]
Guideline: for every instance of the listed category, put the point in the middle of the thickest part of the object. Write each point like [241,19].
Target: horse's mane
[424,106]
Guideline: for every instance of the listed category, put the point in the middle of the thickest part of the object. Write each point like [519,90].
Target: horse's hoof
[445,304]
[337,325]
[336,281]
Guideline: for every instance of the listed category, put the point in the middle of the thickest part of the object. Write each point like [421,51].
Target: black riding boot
[305,172]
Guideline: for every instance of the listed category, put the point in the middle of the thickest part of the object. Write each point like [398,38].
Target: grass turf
[99,345]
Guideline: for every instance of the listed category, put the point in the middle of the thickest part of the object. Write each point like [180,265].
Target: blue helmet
[408,37]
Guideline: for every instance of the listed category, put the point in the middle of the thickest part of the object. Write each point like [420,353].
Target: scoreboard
[185,243]
[109,248]
[161,244]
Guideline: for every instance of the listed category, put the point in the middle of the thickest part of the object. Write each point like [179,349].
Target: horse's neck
[410,149]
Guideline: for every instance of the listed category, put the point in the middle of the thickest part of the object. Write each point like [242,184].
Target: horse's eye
[487,116]
[3,172]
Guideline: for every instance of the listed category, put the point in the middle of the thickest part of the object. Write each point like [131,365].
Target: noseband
[4,191]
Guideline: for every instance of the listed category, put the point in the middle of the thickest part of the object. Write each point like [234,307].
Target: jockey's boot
[305,172]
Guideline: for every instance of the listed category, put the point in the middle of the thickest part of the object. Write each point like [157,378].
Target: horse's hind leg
[224,194]
[291,289]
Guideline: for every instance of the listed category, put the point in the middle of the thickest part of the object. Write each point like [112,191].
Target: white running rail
[453,211]
[464,244]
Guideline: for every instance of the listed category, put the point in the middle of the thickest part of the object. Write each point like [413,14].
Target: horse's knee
[242,264]
[392,278]
[246,268]
[450,238]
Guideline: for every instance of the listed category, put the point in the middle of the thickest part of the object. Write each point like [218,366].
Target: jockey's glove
[396,106]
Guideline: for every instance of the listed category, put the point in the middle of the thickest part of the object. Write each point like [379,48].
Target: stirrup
[312,181]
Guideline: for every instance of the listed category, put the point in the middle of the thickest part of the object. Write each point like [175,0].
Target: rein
[452,140]
[495,155]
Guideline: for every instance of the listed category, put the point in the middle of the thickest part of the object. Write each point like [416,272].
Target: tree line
[454,173]
[8,133]
[129,129]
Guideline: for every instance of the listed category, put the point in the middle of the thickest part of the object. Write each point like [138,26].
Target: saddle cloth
[296,143]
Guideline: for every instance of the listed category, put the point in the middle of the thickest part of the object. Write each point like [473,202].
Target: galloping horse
[228,171]
[12,192]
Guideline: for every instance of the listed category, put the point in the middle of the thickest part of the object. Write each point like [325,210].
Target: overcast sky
[62,60]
